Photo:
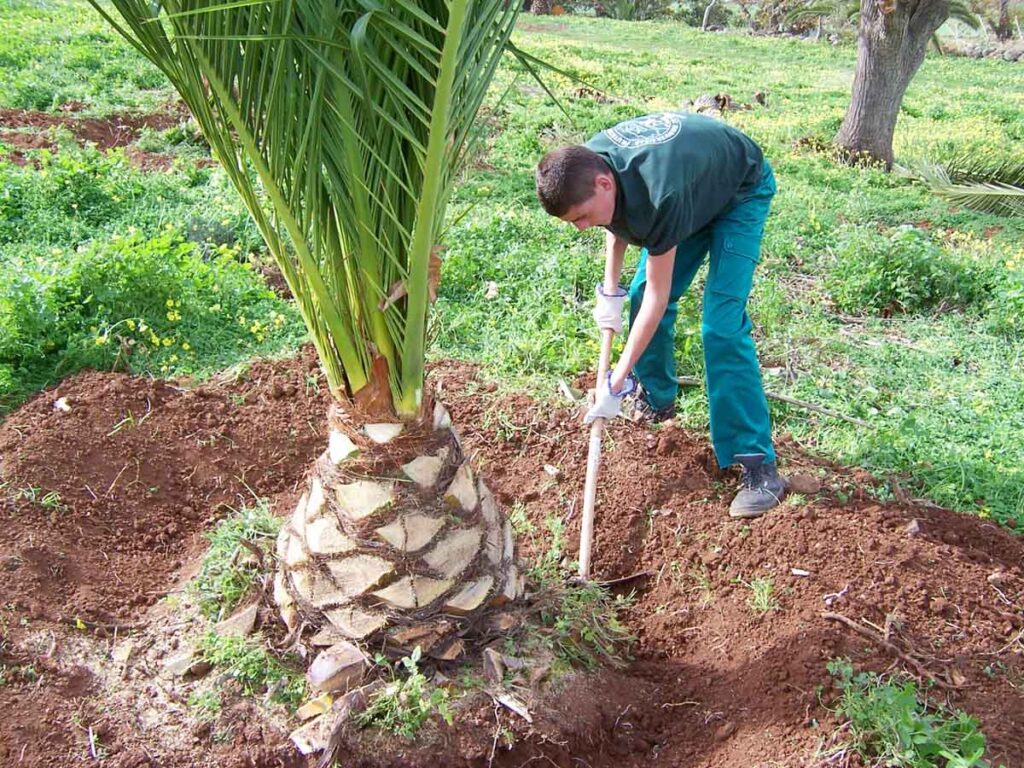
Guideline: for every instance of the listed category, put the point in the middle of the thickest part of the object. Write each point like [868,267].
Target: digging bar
[593,462]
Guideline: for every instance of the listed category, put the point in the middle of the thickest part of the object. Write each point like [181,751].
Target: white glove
[608,404]
[608,307]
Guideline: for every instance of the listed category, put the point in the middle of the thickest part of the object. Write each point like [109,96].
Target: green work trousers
[740,422]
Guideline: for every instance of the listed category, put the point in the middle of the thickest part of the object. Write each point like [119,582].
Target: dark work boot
[639,409]
[762,487]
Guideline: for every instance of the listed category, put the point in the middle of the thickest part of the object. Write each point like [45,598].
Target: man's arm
[615,250]
[656,293]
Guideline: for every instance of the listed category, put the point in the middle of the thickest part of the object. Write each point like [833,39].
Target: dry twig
[692,381]
[878,640]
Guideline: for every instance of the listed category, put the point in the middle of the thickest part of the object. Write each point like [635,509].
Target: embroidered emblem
[645,131]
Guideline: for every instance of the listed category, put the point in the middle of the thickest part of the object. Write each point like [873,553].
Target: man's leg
[740,422]
[656,368]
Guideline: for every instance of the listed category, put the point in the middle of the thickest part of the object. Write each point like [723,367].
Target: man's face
[598,209]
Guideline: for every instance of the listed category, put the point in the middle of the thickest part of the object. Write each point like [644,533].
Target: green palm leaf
[343,125]
[983,182]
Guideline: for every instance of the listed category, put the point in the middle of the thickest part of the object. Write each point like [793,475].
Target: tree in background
[892,38]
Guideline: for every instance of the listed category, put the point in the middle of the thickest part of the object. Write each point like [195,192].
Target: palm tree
[343,124]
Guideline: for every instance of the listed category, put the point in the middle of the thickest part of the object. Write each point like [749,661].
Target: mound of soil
[141,468]
[27,129]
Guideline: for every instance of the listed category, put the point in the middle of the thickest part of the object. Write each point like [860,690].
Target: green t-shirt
[674,173]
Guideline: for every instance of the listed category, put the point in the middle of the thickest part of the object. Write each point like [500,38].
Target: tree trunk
[891,44]
[1003,31]
[707,15]
[395,541]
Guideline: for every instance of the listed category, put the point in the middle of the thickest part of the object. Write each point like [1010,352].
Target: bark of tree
[1003,31]
[891,43]
[707,15]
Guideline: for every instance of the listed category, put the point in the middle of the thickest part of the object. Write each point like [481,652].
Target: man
[682,187]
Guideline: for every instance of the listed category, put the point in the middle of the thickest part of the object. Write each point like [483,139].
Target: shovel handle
[593,463]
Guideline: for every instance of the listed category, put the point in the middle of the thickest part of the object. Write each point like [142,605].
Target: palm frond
[961,11]
[343,125]
[981,182]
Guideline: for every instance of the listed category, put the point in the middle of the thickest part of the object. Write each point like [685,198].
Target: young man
[682,187]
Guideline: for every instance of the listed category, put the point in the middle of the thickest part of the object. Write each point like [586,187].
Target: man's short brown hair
[565,177]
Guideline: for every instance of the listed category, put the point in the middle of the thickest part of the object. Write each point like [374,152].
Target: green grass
[891,723]
[257,671]
[57,51]
[874,298]
[230,569]
[762,596]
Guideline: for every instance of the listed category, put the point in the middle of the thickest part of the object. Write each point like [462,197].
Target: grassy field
[874,298]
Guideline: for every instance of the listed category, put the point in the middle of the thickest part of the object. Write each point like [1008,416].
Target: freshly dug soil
[104,506]
[27,129]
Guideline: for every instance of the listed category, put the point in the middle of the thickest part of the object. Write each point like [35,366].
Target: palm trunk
[393,531]
[890,49]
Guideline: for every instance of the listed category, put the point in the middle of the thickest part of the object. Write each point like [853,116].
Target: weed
[257,671]
[30,493]
[795,500]
[892,724]
[702,584]
[579,622]
[206,704]
[407,702]
[229,568]
[762,596]
[128,422]
[521,524]
[904,271]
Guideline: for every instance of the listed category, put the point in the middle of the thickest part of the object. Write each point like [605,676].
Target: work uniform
[695,183]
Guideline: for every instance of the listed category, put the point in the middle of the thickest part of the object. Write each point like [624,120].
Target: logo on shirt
[645,131]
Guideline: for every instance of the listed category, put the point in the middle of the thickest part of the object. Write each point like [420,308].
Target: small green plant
[762,596]
[520,522]
[52,501]
[206,704]
[229,567]
[578,622]
[892,724]
[257,671]
[406,703]
[903,272]
[702,584]
[30,493]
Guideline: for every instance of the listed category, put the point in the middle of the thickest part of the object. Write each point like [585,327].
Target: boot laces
[753,479]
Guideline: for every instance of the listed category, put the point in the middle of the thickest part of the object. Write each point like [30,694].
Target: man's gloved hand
[608,404]
[608,308]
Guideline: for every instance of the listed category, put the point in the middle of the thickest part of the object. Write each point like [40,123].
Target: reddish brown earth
[711,685]
[26,130]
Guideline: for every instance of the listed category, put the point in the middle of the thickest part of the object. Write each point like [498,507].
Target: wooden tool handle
[593,462]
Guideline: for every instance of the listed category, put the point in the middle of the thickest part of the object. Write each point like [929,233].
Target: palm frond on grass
[981,182]
[343,125]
